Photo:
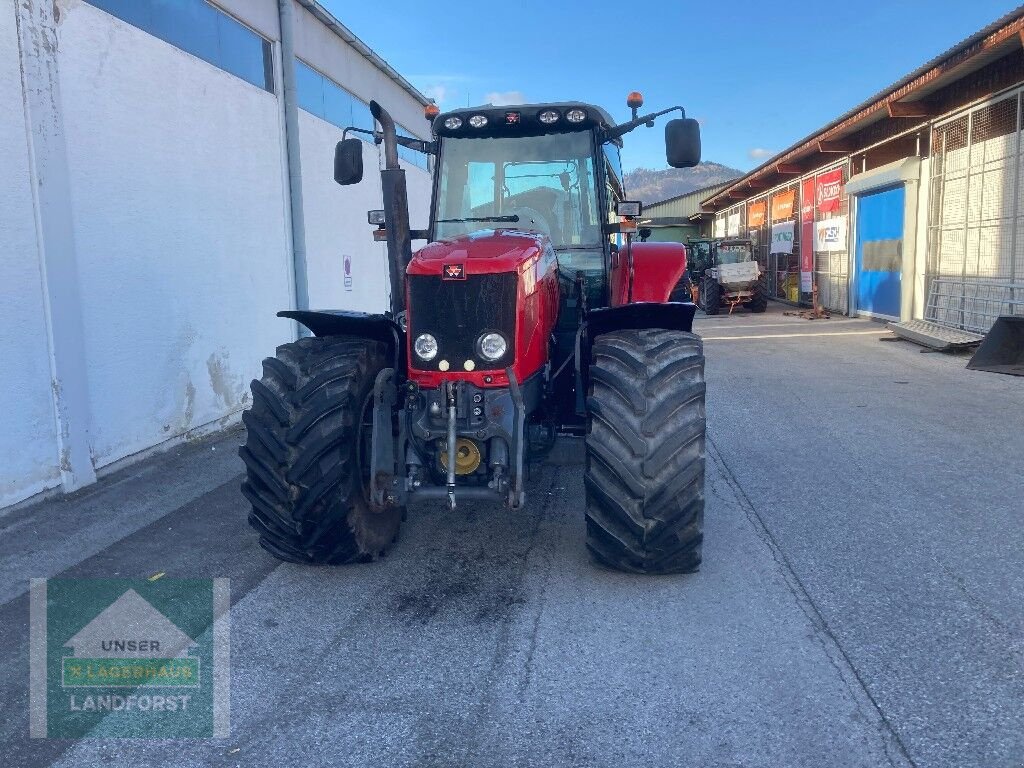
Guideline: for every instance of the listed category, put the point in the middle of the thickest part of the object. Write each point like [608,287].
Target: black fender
[364,325]
[673,315]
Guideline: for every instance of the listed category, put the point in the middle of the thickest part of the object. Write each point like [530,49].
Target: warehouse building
[680,218]
[167,188]
[909,205]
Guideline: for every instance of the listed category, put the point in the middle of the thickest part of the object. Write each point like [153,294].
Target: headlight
[453,123]
[478,121]
[548,116]
[425,347]
[575,115]
[491,346]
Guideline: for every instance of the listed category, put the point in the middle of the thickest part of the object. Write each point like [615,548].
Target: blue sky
[756,80]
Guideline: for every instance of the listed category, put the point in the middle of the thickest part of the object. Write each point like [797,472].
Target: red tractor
[531,314]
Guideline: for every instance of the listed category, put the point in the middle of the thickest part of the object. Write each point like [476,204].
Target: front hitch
[452,409]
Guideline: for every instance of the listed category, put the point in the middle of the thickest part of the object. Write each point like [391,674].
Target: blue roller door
[879,257]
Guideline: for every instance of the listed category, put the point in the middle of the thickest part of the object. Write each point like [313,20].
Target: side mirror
[348,162]
[682,142]
[644,233]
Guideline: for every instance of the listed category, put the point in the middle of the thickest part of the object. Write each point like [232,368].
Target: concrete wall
[28,438]
[921,241]
[178,241]
[179,228]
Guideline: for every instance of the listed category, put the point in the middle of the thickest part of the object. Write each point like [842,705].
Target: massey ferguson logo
[453,272]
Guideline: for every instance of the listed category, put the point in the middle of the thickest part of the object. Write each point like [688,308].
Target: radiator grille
[456,312]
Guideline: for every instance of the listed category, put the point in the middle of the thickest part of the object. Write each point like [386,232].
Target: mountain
[651,186]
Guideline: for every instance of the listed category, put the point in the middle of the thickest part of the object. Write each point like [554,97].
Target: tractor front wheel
[711,292]
[307,453]
[644,475]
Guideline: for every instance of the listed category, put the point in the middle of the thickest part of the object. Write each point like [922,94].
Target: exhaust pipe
[396,209]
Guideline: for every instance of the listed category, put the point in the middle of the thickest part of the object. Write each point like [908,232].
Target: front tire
[644,475]
[712,293]
[306,440]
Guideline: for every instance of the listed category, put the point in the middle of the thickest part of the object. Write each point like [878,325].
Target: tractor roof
[522,120]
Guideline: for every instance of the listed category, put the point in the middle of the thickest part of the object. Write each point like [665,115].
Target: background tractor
[726,274]
[530,314]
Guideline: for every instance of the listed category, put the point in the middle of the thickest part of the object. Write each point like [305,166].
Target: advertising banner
[732,225]
[782,205]
[755,214]
[719,228]
[830,235]
[807,235]
[782,237]
[830,190]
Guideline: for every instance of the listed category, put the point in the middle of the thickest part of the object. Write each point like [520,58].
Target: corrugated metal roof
[1012,22]
[682,206]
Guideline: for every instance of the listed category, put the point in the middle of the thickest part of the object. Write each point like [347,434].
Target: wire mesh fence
[975,262]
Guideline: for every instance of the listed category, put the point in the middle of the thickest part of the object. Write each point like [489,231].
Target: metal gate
[975,264]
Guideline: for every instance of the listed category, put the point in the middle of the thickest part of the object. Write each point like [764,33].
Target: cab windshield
[734,253]
[540,183]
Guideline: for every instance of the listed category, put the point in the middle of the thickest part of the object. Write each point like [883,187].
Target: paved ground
[860,602]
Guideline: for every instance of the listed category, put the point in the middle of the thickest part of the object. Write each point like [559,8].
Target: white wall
[336,222]
[921,236]
[176,233]
[179,196]
[325,51]
[28,453]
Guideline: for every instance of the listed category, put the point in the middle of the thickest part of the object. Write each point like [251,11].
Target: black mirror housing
[348,162]
[682,142]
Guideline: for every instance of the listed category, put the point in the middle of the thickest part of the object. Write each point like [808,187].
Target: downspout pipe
[286,13]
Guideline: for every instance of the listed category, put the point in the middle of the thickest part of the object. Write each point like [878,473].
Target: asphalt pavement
[860,602]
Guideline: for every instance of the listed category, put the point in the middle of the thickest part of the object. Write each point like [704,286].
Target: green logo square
[129,658]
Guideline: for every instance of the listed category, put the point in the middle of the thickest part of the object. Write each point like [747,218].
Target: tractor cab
[550,168]
[732,252]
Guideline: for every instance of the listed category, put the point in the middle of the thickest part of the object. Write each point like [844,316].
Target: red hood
[483,252]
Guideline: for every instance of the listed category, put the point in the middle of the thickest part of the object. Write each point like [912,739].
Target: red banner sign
[830,190]
[807,200]
[806,234]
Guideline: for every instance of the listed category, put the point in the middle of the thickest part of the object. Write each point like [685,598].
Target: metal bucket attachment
[1002,351]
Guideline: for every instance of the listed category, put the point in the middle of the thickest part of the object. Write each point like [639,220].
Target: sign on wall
[830,191]
[346,262]
[782,205]
[719,227]
[807,235]
[755,213]
[830,235]
[782,237]
[732,225]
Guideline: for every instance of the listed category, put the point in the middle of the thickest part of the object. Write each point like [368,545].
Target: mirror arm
[426,147]
[622,130]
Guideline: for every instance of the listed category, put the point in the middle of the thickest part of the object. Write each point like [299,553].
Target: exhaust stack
[396,209]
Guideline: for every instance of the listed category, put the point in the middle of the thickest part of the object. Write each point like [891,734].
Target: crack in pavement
[894,747]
